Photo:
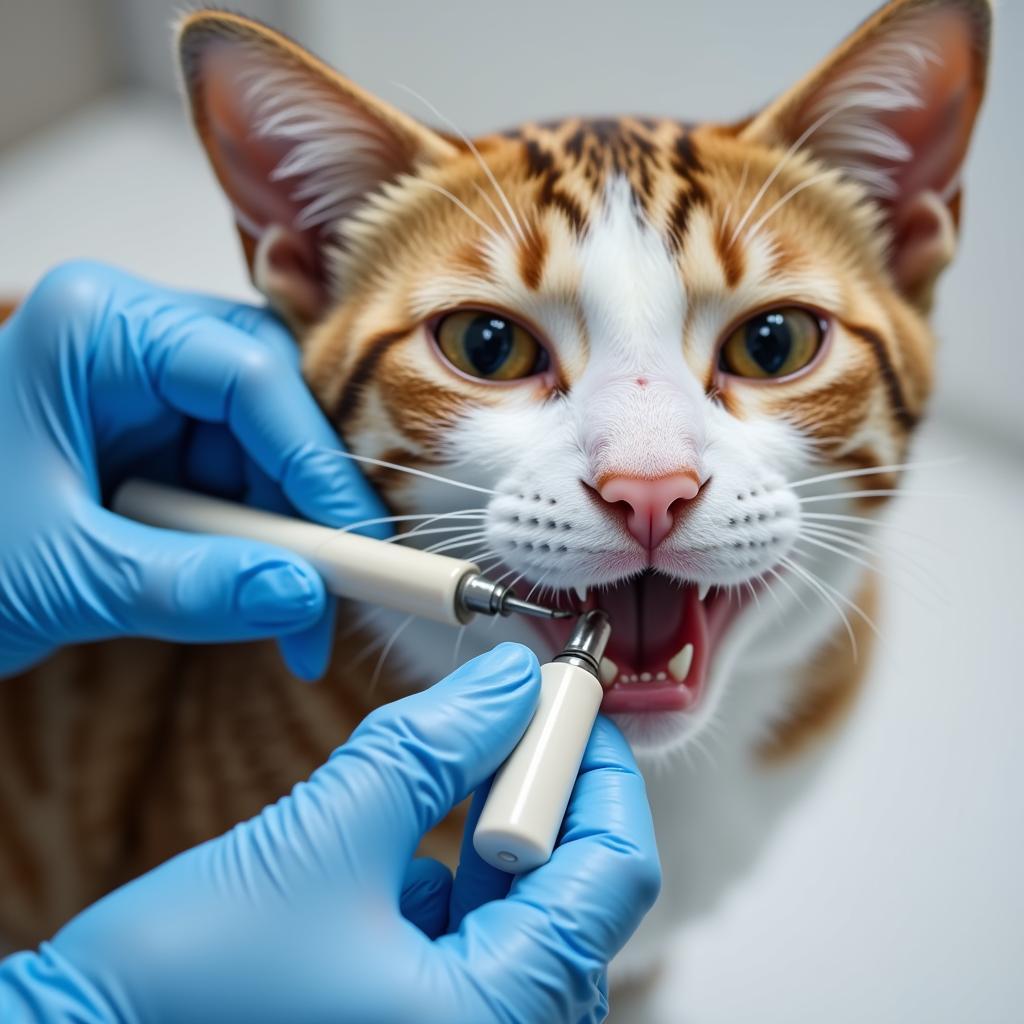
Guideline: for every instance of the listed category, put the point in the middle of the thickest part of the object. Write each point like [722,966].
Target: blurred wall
[54,55]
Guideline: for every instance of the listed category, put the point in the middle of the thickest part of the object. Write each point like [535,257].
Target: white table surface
[893,893]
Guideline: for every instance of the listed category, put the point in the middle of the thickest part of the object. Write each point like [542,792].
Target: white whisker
[374,679]
[472,148]
[414,535]
[431,516]
[369,460]
[870,471]
[776,206]
[854,607]
[434,187]
[460,635]
[882,492]
[817,584]
[879,525]
[451,543]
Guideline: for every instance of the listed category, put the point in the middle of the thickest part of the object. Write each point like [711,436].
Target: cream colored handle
[405,579]
[519,824]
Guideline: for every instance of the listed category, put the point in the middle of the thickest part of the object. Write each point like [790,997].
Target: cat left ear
[893,108]
[296,147]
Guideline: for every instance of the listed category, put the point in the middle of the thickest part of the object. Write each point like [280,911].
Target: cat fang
[662,642]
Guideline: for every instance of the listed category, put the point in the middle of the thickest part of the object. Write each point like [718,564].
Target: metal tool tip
[511,603]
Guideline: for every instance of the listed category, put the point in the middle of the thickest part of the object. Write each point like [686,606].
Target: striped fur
[630,246]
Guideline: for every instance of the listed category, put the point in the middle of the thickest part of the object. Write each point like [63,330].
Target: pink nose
[650,518]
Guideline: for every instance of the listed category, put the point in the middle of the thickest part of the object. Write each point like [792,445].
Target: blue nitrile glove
[103,376]
[297,915]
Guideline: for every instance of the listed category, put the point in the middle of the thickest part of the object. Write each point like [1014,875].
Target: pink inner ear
[243,159]
[937,132]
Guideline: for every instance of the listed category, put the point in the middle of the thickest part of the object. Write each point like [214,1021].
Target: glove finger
[410,762]
[476,882]
[425,894]
[191,587]
[563,922]
[307,653]
[207,369]
[260,321]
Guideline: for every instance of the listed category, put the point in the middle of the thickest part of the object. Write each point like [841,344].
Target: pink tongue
[647,614]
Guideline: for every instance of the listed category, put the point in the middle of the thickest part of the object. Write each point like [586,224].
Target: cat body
[671,369]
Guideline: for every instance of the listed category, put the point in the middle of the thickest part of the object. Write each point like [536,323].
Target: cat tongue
[654,622]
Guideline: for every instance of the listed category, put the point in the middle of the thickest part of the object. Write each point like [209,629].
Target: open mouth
[663,637]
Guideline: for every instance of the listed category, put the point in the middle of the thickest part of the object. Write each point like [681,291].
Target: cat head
[636,343]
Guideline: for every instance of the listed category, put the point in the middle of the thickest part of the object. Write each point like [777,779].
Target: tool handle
[403,578]
[520,820]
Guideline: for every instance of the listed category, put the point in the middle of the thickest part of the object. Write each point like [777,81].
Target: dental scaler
[523,812]
[409,580]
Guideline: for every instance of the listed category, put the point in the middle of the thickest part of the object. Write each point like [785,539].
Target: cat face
[635,345]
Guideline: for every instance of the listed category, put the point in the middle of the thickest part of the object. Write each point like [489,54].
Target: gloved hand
[103,375]
[296,915]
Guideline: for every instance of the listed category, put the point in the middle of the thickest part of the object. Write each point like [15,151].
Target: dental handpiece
[519,823]
[405,579]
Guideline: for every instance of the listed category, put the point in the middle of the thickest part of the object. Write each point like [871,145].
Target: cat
[670,369]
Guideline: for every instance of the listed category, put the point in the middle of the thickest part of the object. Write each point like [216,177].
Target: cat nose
[651,502]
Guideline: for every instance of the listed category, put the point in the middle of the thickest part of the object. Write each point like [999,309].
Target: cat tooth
[702,591]
[581,593]
[679,666]
[609,670]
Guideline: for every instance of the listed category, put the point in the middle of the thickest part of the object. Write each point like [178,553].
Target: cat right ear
[296,147]
[893,108]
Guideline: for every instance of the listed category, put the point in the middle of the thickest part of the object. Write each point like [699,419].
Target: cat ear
[893,108]
[296,147]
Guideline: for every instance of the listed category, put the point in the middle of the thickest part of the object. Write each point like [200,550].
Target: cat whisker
[855,540]
[727,213]
[866,523]
[460,635]
[392,640]
[411,517]
[818,586]
[852,605]
[783,160]
[871,471]
[455,542]
[434,187]
[776,206]
[779,577]
[881,492]
[361,620]
[476,153]
[857,560]
[416,535]
[494,209]
[412,471]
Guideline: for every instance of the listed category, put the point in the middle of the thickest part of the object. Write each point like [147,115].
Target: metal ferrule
[479,594]
[586,645]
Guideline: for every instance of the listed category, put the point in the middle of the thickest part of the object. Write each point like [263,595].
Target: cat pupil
[769,341]
[488,342]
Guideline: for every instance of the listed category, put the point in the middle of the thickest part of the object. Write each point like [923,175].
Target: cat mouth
[663,637]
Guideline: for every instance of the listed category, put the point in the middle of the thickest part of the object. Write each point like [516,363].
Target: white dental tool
[520,820]
[405,579]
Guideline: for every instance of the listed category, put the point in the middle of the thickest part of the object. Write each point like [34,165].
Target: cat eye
[489,346]
[774,343]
